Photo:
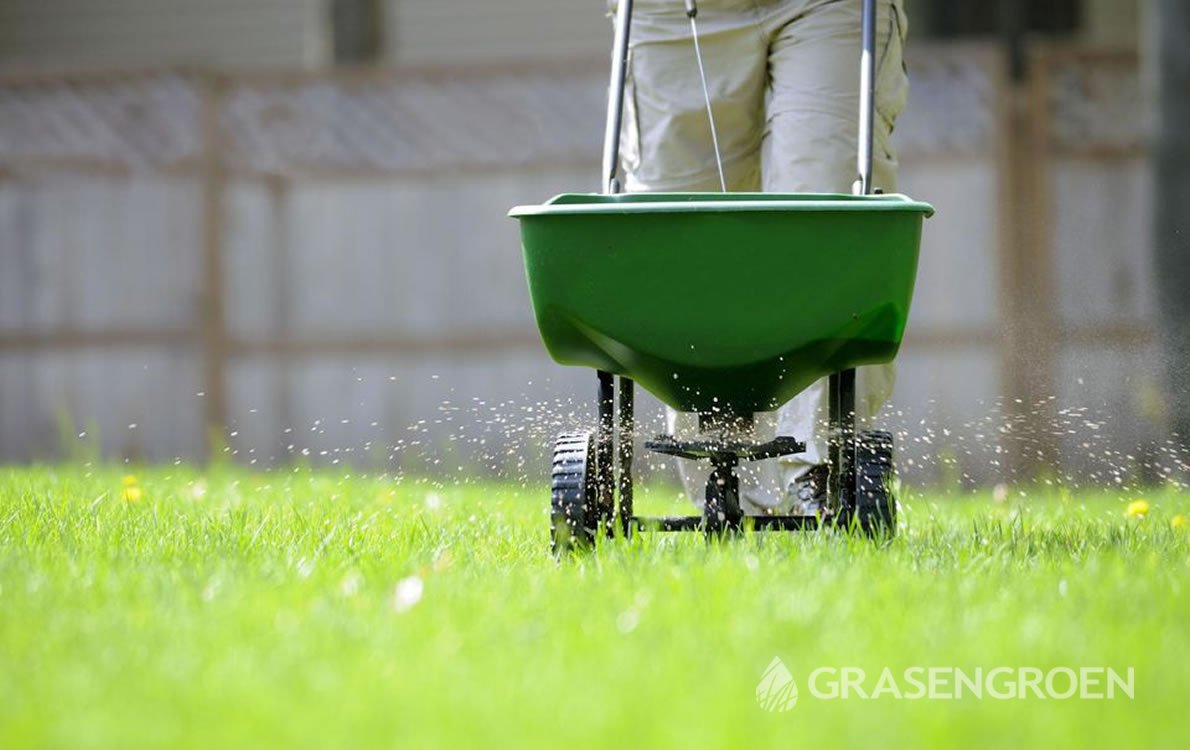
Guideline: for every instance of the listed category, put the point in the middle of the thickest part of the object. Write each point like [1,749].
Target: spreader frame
[610,462]
[724,456]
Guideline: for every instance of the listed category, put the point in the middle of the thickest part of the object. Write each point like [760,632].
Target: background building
[285,218]
[317,33]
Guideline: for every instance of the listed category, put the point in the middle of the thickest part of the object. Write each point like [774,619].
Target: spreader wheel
[574,515]
[721,509]
[875,506]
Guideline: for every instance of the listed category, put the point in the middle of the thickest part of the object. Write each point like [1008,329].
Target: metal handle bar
[867,96]
[615,100]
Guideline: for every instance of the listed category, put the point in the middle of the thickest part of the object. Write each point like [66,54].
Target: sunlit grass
[167,607]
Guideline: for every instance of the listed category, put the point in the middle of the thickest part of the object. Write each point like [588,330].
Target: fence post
[213,332]
[1027,289]
[1169,78]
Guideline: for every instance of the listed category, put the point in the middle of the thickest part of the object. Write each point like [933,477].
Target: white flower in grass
[628,620]
[408,593]
[351,584]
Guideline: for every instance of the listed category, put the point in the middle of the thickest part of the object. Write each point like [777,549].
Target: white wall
[373,208]
[476,31]
[130,33]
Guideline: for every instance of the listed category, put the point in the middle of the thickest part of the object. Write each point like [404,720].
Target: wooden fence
[256,242]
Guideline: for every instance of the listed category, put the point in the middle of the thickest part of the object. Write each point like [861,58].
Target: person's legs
[812,120]
[666,144]
[810,145]
[802,58]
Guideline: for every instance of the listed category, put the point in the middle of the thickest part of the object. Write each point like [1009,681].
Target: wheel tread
[572,498]
[875,506]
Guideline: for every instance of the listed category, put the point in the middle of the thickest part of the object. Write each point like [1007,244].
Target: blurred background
[276,229]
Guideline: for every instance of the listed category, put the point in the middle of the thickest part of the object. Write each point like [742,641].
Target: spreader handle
[867,96]
[615,100]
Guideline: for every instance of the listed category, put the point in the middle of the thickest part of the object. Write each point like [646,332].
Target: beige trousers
[784,84]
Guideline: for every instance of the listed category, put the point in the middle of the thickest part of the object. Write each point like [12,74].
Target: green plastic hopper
[726,302]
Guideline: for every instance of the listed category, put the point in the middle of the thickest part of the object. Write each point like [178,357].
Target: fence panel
[321,261]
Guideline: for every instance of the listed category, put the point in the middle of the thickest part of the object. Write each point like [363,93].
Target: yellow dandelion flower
[129,480]
[1138,508]
[1179,522]
[443,560]
[132,493]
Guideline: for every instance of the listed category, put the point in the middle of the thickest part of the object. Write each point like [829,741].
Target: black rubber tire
[718,516]
[574,516]
[875,506]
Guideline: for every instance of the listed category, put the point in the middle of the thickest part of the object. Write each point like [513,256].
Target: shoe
[806,495]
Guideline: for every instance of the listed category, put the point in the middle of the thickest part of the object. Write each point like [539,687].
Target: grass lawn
[310,609]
